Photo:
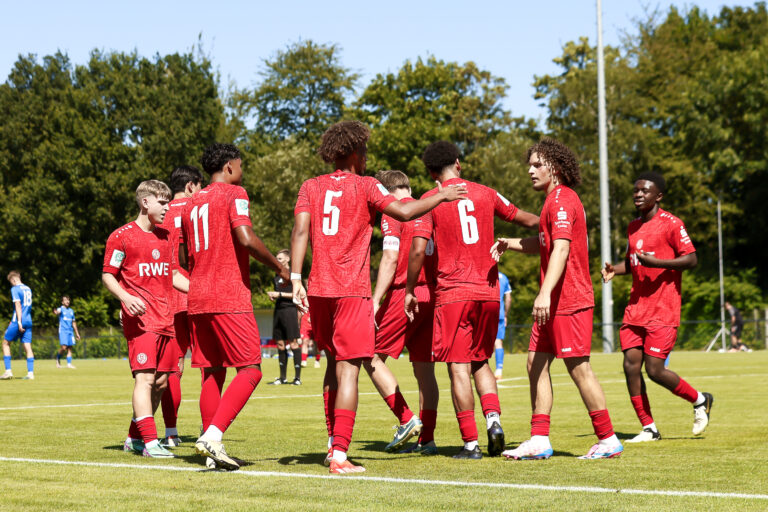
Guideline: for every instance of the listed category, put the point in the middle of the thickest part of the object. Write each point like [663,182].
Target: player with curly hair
[562,311]
[336,212]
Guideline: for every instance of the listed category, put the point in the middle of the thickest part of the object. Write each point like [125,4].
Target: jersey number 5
[202,214]
[468,223]
[330,213]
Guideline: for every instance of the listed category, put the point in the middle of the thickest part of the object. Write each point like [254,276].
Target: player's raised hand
[608,272]
[411,306]
[300,296]
[452,192]
[541,306]
[498,248]
[134,305]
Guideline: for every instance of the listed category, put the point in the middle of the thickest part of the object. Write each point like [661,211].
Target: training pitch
[62,435]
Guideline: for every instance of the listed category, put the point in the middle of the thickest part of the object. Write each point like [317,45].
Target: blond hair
[152,188]
[393,180]
[13,273]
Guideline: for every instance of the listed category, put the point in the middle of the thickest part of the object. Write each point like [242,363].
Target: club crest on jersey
[155,254]
[117,258]
[141,358]
[153,269]
[639,244]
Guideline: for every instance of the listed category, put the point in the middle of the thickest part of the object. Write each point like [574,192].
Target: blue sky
[513,39]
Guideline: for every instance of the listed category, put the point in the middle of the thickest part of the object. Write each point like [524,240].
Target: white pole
[605,223]
[720,257]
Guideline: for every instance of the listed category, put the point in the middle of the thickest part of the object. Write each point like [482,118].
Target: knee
[655,372]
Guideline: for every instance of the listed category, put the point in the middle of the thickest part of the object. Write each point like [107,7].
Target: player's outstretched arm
[528,245]
[609,271]
[557,260]
[685,262]
[526,219]
[385,276]
[415,209]
[415,262]
[180,281]
[248,239]
[133,304]
[299,243]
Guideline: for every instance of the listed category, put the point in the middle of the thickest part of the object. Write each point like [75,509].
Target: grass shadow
[303,459]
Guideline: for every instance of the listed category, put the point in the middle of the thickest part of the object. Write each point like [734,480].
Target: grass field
[69,427]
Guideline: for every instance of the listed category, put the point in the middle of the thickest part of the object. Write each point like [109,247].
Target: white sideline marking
[275,397]
[456,483]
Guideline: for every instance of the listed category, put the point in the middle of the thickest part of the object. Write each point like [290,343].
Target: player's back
[172,223]
[219,276]
[23,294]
[403,232]
[463,234]
[342,208]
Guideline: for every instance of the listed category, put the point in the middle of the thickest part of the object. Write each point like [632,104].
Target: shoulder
[122,232]
[668,219]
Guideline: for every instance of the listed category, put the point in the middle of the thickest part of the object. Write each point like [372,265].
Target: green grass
[282,430]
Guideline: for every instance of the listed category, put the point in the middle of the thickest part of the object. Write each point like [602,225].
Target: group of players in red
[438,280]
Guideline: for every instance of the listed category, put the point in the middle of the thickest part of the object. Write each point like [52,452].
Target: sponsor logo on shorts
[141,358]
[566,349]
[241,205]
[654,349]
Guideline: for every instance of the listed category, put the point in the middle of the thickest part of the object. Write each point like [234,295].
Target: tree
[303,90]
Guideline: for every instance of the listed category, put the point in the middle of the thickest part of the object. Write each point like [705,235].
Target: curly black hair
[560,158]
[655,178]
[343,139]
[182,175]
[440,155]
[216,156]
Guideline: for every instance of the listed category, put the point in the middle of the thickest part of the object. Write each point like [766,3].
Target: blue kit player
[20,327]
[505,299]
[67,331]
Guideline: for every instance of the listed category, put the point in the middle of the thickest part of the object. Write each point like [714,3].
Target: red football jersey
[342,208]
[462,232]
[563,218]
[219,276]
[398,236]
[655,295]
[141,262]
[172,223]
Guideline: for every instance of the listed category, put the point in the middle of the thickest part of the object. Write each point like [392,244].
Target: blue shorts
[502,330]
[67,338]
[12,333]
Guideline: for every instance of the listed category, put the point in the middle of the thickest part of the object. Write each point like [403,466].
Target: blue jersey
[22,294]
[503,288]
[66,317]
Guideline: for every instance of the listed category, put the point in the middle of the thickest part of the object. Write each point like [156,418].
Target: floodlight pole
[605,222]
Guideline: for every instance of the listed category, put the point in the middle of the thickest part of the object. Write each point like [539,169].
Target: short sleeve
[114,254]
[503,209]
[563,216]
[422,226]
[377,194]
[391,229]
[302,202]
[679,239]
[239,209]
[16,294]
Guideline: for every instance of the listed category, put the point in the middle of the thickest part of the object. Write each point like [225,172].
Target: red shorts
[396,332]
[465,331]
[181,326]
[151,351]
[225,339]
[343,326]
[568,335]
[656,340]
[305,329]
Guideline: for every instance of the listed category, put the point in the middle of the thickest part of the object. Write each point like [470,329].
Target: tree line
[687,95]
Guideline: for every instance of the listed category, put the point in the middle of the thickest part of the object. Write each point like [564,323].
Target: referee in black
[285,323]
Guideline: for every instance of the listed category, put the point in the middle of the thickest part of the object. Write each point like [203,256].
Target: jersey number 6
[468,223]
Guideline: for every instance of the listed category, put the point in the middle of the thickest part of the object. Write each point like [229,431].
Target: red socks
[344,423]
[329,401]
[539,425]
[642,409]
[146,426]
[237,395]
[490,403]
[467,425]
[429,420]
[601,422]
[210,395]
[171,400]
[133,431]
[303,357]
[397,404]
[685,390]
